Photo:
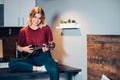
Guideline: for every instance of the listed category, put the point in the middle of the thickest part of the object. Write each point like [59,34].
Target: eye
[35,17]
[40,18]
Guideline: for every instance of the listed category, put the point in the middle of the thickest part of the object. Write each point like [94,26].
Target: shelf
[68,26]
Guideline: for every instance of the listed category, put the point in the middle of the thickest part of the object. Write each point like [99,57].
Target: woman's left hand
[45,48]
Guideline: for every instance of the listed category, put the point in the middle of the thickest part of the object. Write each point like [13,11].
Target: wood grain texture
[103,56]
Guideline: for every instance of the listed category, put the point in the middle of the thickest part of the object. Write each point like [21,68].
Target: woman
[37,33]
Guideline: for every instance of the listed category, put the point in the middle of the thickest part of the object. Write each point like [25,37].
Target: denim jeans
[26,64]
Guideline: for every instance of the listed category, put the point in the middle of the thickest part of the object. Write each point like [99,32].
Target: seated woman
[37,33]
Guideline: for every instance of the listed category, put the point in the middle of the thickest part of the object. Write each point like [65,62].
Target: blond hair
[34,11]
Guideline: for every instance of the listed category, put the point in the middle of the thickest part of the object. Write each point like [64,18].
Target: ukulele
[36,50]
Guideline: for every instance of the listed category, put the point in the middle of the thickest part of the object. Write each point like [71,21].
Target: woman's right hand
[28,49]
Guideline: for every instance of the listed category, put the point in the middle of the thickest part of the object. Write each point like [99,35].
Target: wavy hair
[34,11]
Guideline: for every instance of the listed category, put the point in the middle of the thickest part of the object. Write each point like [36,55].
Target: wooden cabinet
[8,39]
[16,12]
[8,48]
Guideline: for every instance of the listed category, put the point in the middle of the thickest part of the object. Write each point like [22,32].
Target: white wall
[1,1]
[94,17]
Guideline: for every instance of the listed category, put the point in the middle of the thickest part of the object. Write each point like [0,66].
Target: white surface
[104,77]
[4,65]
[16,12]
[71,25]
[1,1]
[42,68]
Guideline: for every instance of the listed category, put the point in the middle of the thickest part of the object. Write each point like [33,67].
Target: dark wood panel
[103,56]
[9,36]
[9,48]
[9,31]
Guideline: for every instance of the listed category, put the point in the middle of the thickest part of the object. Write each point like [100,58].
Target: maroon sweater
[28,36]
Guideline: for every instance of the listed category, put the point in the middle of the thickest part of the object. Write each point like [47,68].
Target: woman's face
[36,19]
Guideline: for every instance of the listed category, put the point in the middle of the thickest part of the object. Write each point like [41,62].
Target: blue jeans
[26,64]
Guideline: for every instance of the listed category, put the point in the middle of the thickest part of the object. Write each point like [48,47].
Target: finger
[46,49]
[31,48]
[44,45]
[30,51]
[29,45]
[43,49]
